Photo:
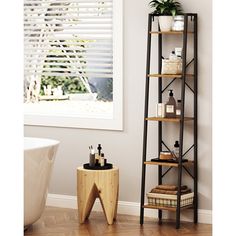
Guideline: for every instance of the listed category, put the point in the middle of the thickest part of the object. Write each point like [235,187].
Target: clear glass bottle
[160,110]
[178,52]
[178,109]
[92,159]
[102,160]
[176,150]
[178,23]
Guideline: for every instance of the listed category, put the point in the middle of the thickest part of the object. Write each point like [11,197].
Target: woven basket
[157,199]
[172,67]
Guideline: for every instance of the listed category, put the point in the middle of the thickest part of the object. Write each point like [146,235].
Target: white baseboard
[128,208]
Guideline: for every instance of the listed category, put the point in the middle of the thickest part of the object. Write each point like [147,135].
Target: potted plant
[166,9]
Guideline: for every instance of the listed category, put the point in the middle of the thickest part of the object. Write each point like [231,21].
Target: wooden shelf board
[166,208]
[168,119]
[170,76]
[170,32]
[168,164]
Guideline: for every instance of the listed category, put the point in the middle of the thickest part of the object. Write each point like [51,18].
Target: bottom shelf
[166,208]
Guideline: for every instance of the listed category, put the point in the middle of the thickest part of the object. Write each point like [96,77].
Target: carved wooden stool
[103,184]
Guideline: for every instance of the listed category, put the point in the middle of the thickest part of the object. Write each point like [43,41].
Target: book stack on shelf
[166,196]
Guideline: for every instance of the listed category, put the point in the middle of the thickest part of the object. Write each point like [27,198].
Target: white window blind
[71,38]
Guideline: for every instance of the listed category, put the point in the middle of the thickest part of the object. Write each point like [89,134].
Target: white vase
[165,23]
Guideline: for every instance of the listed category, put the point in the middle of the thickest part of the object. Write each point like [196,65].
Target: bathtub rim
[47,142]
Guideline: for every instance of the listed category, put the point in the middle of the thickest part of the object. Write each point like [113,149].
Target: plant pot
[165,23]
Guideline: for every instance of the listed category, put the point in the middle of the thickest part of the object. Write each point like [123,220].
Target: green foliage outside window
[69,84]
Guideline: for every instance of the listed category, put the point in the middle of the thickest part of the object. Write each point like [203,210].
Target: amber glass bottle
[170,106]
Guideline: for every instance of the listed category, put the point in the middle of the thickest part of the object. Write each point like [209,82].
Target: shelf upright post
[195,200]
[150,17]
[159,123]
[181,134]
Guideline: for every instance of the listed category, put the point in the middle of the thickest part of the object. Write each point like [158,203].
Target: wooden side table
[103,184]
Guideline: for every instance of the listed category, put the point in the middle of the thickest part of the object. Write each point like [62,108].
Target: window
[73,63]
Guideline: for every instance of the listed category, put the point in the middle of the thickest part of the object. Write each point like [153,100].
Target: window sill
[83,114]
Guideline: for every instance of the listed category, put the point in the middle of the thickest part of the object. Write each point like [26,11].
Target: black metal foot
[177,226]
[160,217]
[141,215]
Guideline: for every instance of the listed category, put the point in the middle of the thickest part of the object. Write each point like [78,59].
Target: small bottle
[99,149]
[96,156]
[178,52]
[176,150]
[178,109]
[170,107]
[160,112]
[178,23]
[102,161]
[172,56]
[92,158]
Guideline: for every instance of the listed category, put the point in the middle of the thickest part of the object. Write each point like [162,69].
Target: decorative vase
[165,23]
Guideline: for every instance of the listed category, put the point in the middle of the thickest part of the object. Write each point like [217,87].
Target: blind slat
[100,54]
[68,17]
[71,74]
[56,13]
[85,27]
[68,70]
[65,5]
[70,37]
[79,32]
[84,59]
[68,64]
[66,1]
[74,22]
[67,49]
[69,43]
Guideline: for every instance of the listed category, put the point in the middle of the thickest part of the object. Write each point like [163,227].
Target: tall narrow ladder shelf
[188,18]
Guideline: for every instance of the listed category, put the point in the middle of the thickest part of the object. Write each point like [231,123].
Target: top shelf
[170,32]
[185,14]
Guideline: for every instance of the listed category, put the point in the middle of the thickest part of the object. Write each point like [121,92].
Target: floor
[64,222]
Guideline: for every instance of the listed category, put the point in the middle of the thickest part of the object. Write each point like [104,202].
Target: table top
[81,168]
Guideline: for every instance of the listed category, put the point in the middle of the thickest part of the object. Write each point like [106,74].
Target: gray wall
[124,149]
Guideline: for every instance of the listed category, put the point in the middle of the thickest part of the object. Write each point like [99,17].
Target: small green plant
[166,7]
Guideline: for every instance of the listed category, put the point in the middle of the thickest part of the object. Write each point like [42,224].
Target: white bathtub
[39,155]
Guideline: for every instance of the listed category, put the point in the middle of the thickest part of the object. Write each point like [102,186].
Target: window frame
[116,123]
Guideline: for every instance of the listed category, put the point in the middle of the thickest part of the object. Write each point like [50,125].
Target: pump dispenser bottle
[171,106]
[172,56]
[176,149]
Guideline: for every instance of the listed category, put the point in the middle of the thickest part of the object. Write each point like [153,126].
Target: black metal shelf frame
[185,65]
